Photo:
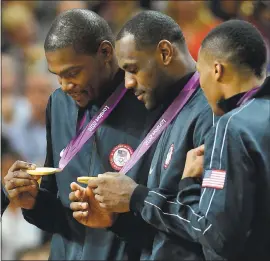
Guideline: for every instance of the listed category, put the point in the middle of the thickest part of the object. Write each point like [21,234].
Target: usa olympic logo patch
[119,155]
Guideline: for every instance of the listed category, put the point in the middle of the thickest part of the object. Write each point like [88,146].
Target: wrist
[190,173]
[137,198]
[132,188]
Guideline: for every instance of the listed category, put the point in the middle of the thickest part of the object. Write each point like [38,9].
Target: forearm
[195,214]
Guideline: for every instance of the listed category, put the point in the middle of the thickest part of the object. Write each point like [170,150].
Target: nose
[130,82]
[66,86]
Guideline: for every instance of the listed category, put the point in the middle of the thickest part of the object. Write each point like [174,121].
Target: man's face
[208,81]
[143,72]
[78,74]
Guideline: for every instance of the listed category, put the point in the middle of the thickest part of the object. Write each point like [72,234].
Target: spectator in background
[21,29]
[15,109]
[30,138]
[116,13]
[63,6]
[195,20]
[225,10]
[256,12]
[31,5]
[17,234]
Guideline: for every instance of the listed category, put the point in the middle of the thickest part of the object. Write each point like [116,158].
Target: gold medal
[43,171]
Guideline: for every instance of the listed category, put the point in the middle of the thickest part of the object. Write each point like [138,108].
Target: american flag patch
[214,179]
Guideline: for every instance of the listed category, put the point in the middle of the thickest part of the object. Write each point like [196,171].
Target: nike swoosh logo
[61,153]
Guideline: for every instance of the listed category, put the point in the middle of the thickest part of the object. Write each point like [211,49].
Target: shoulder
[203,112]
[58,97]
[240,125]
[200,103]
[58,93]
[239,119]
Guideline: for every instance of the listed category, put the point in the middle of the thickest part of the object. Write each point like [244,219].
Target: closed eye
[131,68]
[73,73]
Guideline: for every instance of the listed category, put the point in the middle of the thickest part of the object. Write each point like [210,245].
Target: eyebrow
[66,70]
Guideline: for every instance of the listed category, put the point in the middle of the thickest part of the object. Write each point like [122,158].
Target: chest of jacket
[111,146]
[182,135]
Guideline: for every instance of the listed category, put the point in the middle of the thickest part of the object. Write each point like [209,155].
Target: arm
[48,213]
[151,210]
[217,217]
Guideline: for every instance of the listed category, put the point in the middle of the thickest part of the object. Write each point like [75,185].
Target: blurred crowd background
[27,84]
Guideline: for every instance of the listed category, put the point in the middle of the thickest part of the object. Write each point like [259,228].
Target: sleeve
[132,229]
[4,200]
[48,213]
[218,212]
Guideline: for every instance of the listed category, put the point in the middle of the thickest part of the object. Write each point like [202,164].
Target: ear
[165,51]
[105,51]
[218,71]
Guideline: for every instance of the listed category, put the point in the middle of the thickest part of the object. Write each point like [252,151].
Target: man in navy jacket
[152,51]
[80,50]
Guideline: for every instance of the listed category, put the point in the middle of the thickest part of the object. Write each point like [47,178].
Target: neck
[115,68]
[240,85]
[183,65]
[178,79]
[114,81]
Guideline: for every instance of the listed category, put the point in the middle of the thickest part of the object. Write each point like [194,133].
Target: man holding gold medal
[89,131]
[160,70]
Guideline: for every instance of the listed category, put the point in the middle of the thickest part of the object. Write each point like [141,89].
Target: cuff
[4,190]
[185,182]
[121,224]
[43,200]
[137,198]
[4,200]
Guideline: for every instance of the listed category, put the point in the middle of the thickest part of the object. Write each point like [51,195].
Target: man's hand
[86,209]
[21,187]
[113,191]
[194,163]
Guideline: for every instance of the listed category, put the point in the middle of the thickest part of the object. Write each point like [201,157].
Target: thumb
[200,150]
[90,193]
[74,186]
